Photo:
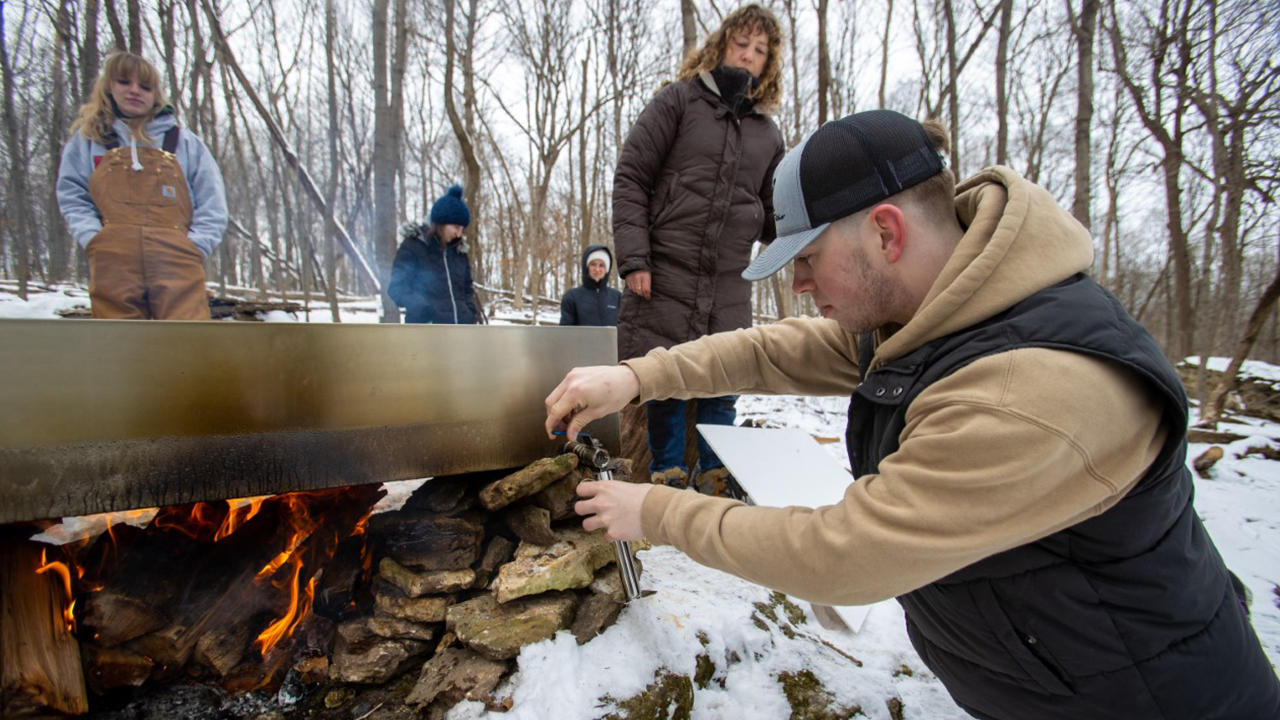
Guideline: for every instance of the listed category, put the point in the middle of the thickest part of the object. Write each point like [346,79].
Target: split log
[40,671]
[109,668]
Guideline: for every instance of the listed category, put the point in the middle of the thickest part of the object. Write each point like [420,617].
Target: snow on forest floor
[755,653]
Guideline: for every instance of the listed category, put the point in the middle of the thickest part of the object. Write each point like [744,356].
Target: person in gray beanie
[431,274]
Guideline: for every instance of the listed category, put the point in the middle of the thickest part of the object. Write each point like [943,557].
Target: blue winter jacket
[204,181]
[432,283]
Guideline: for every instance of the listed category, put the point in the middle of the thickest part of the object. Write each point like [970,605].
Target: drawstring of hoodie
[133,148]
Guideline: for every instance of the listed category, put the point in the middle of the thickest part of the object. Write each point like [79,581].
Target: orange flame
[242,510]
[283,628]
[302,526]
[68,613]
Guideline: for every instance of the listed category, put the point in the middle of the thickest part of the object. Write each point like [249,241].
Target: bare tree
[1169,56]
[331,187]
[884,50]
[824,62]
[18,194]
[689,28]
[59,241]
[388,93]
[464,130]
[1002,82]
[1083,27]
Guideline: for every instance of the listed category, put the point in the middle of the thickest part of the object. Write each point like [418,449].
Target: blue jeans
[667,431]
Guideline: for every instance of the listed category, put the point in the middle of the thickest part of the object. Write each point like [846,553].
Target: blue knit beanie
[450,209]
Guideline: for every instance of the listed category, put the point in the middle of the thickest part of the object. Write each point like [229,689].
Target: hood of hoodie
[422,232]
[587,282]
[156,128]
[1017,241]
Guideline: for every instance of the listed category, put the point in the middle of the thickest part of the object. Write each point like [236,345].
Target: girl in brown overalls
[143,197]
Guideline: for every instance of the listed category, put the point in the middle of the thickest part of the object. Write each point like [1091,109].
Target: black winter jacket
[591,303]
[692,192]
[1130,614]
[432,283]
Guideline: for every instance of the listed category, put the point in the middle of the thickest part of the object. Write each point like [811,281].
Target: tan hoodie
[1001,453]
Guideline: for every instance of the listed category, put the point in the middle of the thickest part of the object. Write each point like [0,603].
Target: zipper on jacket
[448,279]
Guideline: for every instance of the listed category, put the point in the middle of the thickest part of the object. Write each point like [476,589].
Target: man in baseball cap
[1018,443]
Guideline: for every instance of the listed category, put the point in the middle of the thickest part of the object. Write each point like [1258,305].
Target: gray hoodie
[204,181]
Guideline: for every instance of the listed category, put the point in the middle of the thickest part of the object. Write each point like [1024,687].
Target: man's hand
[639,283]
[613,506]
[589,393]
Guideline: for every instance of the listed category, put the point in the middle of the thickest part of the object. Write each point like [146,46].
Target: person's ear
[890,225]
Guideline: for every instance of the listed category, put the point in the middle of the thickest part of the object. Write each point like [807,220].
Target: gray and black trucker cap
[844,166]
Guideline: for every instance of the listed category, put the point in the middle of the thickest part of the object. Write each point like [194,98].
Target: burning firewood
[469,570]
[39,658]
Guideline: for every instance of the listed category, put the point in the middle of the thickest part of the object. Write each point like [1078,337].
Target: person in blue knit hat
[431,275]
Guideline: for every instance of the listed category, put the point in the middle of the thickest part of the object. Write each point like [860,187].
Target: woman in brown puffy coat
[692,192]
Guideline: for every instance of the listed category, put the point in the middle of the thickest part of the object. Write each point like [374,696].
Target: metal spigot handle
[597,458]
[626,558]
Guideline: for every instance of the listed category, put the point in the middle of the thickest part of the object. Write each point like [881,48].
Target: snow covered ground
[748,648]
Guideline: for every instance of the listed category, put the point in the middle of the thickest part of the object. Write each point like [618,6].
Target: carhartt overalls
[142,264]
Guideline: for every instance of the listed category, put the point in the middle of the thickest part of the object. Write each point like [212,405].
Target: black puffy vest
[1130,614]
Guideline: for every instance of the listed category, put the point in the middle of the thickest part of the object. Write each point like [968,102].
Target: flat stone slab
[430,609]
[568,564]
[416,583]
[454,675]
[527,481]
[378,663]
[498,630]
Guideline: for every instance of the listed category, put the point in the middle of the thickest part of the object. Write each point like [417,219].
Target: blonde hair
[748,19]
[97,114]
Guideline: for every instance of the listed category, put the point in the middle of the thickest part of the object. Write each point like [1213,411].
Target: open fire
[312,587]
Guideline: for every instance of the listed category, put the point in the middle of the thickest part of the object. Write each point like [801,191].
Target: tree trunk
[119,39]
[59,238]
[884,52]
[1002,83]
[89,59]
[953,100]
[135,26]
[1084,28]
[385,160]
[462,129]
[688,24]
[1213,409]
[19,197]
[824,63]
[331,188]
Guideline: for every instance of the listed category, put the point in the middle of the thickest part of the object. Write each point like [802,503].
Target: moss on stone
[791,614]
[706,670]
[904,669]
[896,707]
[668,697]
[809,700]
[794,614]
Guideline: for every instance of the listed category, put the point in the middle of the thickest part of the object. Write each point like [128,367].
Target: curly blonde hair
[97,115]
[748,19]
